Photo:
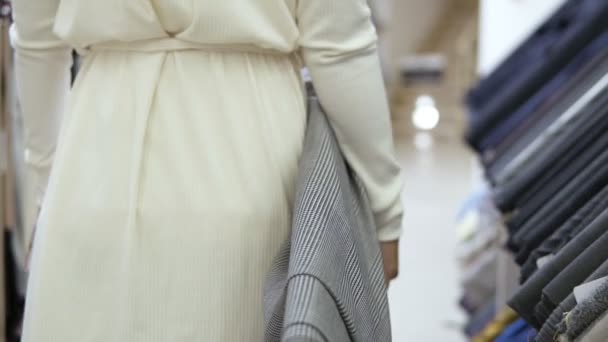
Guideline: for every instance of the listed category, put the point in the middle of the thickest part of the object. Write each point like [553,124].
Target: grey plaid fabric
[327,284]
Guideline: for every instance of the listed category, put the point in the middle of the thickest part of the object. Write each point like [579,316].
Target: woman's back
[172,186]
[268,24]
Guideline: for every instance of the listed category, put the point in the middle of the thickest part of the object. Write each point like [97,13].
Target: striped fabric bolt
[327,284]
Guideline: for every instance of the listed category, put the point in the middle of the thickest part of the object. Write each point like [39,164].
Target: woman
[172,185]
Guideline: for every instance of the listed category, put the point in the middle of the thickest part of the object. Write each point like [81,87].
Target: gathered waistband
[168,44]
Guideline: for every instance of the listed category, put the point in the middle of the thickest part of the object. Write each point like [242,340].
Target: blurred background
[433,52]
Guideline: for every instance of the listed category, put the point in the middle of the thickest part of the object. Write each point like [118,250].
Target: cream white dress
[172,180]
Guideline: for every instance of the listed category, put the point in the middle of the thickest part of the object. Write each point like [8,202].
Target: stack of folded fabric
[540,125]
[481,237]
[479,231]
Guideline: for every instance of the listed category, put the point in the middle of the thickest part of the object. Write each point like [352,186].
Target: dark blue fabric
[531,48]
[577,139]
[481,319]
[559,208]
[550,49]
[551,92]
[538,121]
[578,151]
[519,331]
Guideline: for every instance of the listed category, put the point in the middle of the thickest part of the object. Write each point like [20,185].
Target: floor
[424,298]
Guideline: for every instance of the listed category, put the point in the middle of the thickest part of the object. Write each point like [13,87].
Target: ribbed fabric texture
[336,39]
[172,184]
[162,218]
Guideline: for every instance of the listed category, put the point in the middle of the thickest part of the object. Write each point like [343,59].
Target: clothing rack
[534,238]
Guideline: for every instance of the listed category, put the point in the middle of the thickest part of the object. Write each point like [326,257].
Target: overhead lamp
[425,116]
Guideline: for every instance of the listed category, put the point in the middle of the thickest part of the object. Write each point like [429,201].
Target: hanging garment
[542,137]
[560,207]
[539,134]
[512,153]
[534,198]
[559,90]
[576,272]
[549,325]
[530,293]
[566,232]
[328,281]
[550,49]
[576,140]
[173,183]
[554,182]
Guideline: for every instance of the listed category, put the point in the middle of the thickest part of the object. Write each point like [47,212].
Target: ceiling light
[425,115]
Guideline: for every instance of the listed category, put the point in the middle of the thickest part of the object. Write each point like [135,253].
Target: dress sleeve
[338,45]
[42,67]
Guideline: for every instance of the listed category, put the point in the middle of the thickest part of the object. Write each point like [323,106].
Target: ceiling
[448,27]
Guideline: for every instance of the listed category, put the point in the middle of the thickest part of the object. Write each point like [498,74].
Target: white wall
[504,24]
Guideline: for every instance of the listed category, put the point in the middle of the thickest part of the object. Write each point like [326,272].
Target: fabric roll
[530,205]
[555,92]
[520,331]
[566,232]
[481,319]
[575,148]
[502,321]
[533,239]
[585,313]
[597,332]
[573,163]
[530,50]
[576,272]
[572,38]
[570,151]
[549,332]
[575,137]
[543,127]
[530,293]
[562,206]
[552,94]
[538,136]
[542,311]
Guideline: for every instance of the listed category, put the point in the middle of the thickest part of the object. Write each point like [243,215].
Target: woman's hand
[390,253]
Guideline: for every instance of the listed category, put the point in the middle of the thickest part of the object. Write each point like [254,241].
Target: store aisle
[424,298]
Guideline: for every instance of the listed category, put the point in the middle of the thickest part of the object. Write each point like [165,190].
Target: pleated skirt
[170,194]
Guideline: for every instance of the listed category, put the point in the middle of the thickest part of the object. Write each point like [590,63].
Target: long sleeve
[338,44]
[42,67]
